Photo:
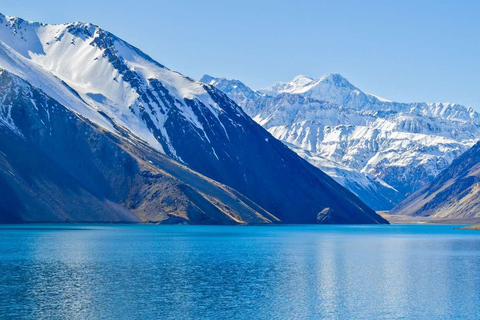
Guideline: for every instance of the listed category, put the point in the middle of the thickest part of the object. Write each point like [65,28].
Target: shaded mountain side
[256,164]
[36,189]
[121,89]
[453,195]
[56,166]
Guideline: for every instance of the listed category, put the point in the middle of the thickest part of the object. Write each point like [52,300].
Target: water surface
[274,272]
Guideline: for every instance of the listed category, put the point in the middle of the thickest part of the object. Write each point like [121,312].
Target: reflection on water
[184,272]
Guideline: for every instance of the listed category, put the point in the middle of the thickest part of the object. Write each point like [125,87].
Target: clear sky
[401,50]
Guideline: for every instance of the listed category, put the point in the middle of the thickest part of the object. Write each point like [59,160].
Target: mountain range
[383,151]
[93,129]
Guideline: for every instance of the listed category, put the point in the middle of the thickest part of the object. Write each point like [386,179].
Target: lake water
[218,272]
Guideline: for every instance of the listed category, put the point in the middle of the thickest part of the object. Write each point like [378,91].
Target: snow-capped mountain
[119,89]
[380,150]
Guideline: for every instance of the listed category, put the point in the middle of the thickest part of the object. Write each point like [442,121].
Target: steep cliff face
[379,149]
[57,166]
[124,92]
[453,195]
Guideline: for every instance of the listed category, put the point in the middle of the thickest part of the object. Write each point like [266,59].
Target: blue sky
[401,50]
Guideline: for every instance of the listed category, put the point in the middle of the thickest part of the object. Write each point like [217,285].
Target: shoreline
[475,227]
[404,219]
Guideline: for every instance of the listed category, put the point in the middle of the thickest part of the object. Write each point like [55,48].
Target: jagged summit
[18,23]
[22,30]
[337,80]
[15,21]
[206,78]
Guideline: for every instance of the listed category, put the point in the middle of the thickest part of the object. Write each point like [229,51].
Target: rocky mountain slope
[57,166]
[453,195]
[125,94]
[381,150]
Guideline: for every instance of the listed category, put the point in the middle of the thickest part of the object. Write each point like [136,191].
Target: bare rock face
[59,167]
[453,195]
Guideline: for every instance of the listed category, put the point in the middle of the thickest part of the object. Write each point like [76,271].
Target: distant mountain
[453,195]
[158,115]
[381,150]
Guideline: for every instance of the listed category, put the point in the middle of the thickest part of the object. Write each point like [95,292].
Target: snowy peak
[311,87]
[330,80]
[333,79]
[336,89]
[229,85]
[208,79]
[302,80]
[371,143]
[110,77]
[16,23]
[332,88]
[236,90]
[297,83]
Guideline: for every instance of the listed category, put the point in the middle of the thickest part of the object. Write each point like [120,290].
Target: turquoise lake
[239,272]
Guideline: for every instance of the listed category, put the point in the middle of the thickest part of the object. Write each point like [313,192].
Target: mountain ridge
[103,178]
[452,195]
[390,146]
